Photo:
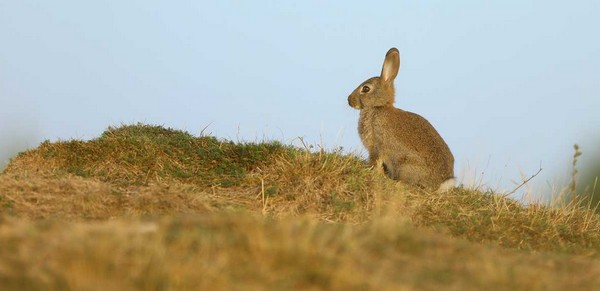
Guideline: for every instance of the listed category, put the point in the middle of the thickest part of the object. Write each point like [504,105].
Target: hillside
[152,208]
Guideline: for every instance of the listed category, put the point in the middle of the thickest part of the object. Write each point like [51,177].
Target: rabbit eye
[365,89]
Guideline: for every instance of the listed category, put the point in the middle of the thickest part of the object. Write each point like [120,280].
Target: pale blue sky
[508,84]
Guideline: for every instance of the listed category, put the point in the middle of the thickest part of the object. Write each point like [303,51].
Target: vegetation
[587,188]
[151,208]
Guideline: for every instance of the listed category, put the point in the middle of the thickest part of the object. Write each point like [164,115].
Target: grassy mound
[138,154]
[167,205]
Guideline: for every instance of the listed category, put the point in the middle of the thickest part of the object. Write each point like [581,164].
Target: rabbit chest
[367,129]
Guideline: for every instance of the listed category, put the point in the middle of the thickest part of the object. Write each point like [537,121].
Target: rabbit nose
[353,102]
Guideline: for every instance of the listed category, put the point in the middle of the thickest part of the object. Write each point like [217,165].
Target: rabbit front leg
[376,162]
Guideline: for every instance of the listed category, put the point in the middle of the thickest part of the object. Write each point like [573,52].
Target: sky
[510,85]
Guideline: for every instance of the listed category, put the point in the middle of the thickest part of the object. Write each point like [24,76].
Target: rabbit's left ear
[391,64]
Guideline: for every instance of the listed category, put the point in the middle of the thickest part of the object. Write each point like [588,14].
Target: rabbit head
[378,91]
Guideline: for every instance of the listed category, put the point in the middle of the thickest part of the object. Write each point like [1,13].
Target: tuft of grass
[491,218]
[573,184]
[332,186]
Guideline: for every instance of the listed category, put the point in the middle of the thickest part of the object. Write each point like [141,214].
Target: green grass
[152,208]
[139,154]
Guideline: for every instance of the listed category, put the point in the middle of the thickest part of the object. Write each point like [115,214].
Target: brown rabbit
[403,144]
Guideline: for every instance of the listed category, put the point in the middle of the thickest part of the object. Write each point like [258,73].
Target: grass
[138,154]
[151,208]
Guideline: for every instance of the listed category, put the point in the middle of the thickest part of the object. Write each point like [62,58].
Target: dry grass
[144,207]
[241,251]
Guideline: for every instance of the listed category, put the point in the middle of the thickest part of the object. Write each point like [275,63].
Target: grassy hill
[151,208]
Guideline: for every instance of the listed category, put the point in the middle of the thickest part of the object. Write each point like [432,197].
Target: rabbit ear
[391,64]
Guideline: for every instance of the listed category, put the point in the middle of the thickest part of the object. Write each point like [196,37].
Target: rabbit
[401,143]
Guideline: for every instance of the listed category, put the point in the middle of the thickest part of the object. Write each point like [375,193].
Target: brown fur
[403,143]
